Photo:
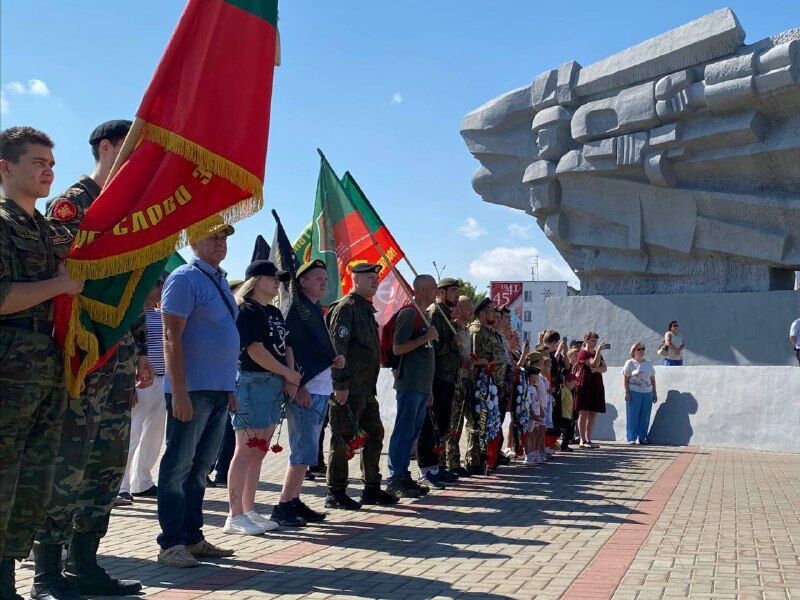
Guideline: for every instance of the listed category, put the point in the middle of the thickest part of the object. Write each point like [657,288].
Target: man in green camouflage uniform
[32,392]
[436,427]
[488,348]
[94,442]
[463,398]
[355,336]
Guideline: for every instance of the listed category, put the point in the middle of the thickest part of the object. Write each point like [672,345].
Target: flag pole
[438,307]
[134,133]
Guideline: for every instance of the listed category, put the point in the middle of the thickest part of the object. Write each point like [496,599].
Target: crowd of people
[217,368]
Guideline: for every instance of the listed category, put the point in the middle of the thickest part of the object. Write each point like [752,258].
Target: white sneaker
[242,525]
[509,453]
[262,521]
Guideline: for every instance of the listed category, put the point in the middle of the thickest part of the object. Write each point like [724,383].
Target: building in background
[526,301]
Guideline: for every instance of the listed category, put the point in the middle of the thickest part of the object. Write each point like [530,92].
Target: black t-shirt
[265,324]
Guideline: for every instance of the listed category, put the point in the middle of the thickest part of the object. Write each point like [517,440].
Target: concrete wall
[720,329]
[755,408]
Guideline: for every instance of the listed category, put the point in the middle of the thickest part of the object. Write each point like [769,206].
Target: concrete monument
[668,177]
[672,167]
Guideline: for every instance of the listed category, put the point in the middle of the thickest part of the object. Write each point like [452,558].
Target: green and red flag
[345,231]
[198,156]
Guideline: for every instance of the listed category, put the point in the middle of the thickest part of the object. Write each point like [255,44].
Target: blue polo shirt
[210,338]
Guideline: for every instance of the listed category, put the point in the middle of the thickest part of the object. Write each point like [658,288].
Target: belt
[29,324]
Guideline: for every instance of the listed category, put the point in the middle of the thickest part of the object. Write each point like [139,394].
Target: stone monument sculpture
[670,168]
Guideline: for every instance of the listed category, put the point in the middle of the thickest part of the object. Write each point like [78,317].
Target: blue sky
[381,87]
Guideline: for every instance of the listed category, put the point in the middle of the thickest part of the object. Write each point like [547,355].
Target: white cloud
[523,232]
[397,98]
[504,263]
[3,103]
[471,230]
[16,87]
[36,87]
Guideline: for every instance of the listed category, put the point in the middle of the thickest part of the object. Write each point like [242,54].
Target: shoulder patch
[60,239]
[65,210]
[343,332]
[26,234]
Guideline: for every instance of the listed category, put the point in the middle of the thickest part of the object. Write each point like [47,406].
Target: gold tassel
[108,314]
[203,157]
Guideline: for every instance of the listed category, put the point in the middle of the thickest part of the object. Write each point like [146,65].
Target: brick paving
[698,523]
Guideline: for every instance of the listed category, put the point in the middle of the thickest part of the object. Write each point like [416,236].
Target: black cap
[366,268]
[448,282]
[531,370]
[310,266]
[481,305]
[110,130]
[266,268]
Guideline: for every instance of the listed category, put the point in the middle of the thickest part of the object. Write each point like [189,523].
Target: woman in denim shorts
[266,367]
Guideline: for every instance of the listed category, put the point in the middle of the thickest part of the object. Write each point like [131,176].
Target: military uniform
[32,392]
[93,451]
[486,345]
[355,336]
[445,377]
[462,401]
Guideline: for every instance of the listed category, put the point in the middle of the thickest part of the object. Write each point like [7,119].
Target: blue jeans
[669,362]
[304,427]
[411,410]
[637,415]
[192,448]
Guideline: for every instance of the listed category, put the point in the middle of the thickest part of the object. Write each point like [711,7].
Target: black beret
[110,130]
[366,268]
[265,268]
[448,282]
[310,266]
[481,305]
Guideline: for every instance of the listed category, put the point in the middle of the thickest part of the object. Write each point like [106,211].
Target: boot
[48,581]
[8,588]
[89,578]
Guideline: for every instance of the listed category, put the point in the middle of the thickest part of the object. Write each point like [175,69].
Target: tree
[468,290]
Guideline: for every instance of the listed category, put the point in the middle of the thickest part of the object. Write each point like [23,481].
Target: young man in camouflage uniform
[355,336]
[94,441]
[488,348]
[462,399]
[32,392]
[445,376]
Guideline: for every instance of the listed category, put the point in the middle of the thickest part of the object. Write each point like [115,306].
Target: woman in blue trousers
[639,378]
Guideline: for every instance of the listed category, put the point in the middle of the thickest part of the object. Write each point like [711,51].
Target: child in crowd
[567,424]
[536,423]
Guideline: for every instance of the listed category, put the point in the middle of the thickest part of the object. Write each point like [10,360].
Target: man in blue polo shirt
[201,350]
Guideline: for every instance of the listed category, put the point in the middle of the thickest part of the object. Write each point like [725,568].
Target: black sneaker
[151,492]
[460,472]
[309,514]
[404,488]
[476,470]
[310,475]
[285,515]
[126,496]
[502,459]
[446,476]
[430,480]
[341,500]
[377,496]
[210,483]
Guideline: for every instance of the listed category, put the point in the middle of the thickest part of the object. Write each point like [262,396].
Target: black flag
[261,249]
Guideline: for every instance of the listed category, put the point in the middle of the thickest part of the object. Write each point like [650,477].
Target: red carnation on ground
[276,448]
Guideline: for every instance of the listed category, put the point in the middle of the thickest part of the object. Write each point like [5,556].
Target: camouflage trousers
[32,402]
[462,401]
[367,415]
[93,452]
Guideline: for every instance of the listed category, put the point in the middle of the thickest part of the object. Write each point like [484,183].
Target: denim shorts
[304,427]
[260,396]
[671,362]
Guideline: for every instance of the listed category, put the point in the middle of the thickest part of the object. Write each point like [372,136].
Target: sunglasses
[595,337]
[640,349]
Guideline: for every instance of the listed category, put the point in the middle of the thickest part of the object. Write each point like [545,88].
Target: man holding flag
[94,442]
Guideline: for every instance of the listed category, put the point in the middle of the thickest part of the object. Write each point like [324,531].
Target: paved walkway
[622,522]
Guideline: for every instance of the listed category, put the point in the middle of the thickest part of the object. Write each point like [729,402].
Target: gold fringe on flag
[78,338]
[108,314]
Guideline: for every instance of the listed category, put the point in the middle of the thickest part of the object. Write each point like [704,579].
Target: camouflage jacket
[487,344]
[445,349]
[355,335]
[29,251]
